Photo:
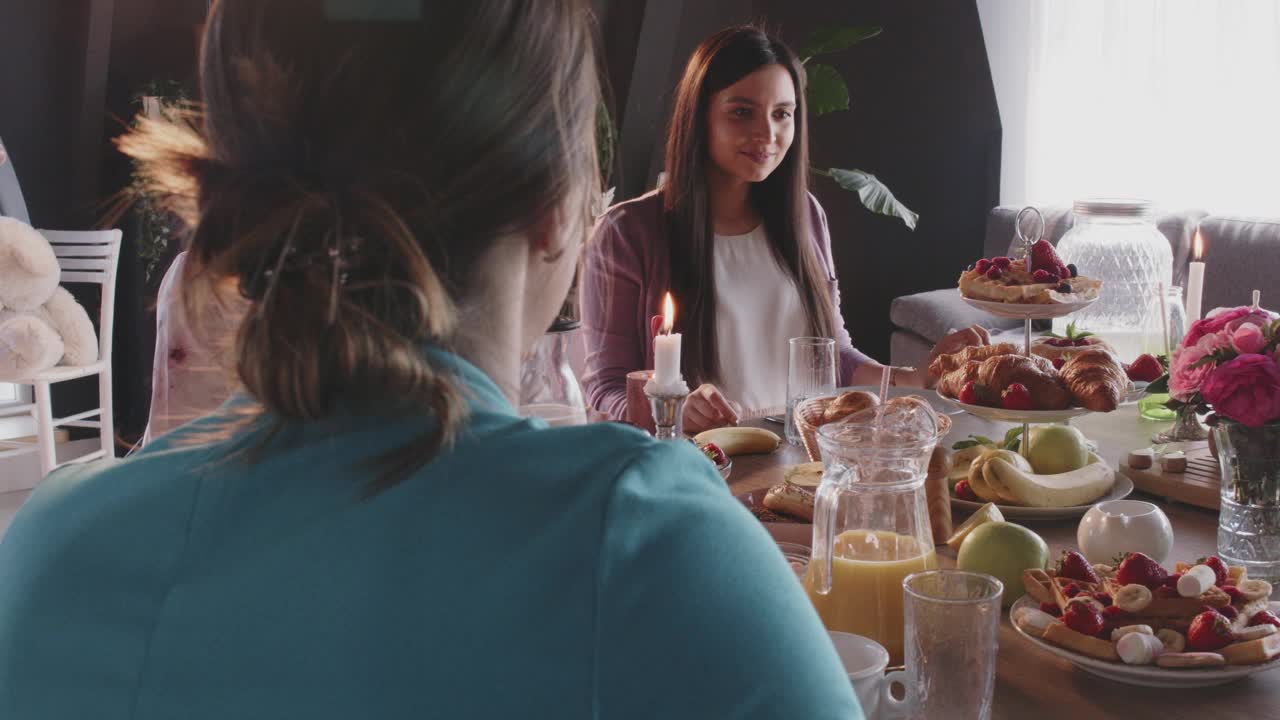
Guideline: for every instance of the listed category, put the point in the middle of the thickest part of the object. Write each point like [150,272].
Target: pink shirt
[625,276]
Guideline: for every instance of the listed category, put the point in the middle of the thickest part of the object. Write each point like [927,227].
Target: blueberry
[1064,288]
[1072,269]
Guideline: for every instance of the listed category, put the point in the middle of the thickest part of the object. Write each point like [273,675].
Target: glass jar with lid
[1116,241]
[549,389]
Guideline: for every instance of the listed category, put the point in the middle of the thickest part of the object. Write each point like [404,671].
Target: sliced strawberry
[1072,565]
[1114,613]
[1044,276]
[1017,397]
[1146,369]
[1209,631]
[1071,590]
[1142,570]
[1083,617]
[1050,608]
[1103,598]
[1264,617]
[1228,612]
[1234,593]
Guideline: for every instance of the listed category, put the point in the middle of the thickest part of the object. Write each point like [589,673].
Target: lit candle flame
[668,314]
[1199,246]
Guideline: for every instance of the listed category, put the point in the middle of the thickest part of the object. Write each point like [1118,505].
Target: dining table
[1031,682]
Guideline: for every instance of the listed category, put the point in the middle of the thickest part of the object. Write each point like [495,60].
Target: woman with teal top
[367,529]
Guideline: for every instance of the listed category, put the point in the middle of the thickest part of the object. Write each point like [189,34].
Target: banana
[1078,487]
[1174,641]
[1132,598]
[986,485]
[740,440]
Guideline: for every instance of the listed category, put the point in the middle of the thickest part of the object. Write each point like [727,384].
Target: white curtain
[1173,100]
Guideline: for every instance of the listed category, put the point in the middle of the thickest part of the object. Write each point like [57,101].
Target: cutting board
[1200,485]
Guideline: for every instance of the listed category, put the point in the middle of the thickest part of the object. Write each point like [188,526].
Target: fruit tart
[1044,280]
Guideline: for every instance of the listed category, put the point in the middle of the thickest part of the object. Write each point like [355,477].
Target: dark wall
[923,118]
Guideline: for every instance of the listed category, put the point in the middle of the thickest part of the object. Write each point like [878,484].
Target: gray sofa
[1241,254]
[11,202]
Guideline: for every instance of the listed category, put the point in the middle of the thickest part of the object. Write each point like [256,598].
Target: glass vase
[1186,427]
[1249,520]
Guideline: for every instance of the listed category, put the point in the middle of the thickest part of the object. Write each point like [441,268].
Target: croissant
[944,364]
[1095,379]
[1036,373]
[954,381]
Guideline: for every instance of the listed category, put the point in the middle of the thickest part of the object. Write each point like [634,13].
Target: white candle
[1195,281]
[666,349]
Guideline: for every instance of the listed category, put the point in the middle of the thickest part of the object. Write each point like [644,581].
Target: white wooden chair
[90,257]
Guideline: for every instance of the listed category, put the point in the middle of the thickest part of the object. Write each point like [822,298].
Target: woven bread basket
[808,418]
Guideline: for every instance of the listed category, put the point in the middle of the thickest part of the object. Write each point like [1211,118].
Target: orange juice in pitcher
[871,521]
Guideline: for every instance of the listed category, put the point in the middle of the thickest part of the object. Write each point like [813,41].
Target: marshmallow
[1196,581]
[1034,621]
[1122,631]
[1139,648]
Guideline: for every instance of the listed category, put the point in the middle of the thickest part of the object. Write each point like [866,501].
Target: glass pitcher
[548,387]
[871,524]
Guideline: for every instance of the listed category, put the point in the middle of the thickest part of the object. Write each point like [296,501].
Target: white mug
[1120,526]
[864,661]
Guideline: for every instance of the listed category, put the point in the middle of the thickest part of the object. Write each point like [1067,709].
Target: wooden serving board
[1200,485]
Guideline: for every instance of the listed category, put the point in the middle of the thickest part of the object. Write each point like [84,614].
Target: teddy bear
[41,324]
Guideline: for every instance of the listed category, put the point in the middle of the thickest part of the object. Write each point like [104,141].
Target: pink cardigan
[625,276]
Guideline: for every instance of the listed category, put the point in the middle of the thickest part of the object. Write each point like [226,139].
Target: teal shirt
[526,572]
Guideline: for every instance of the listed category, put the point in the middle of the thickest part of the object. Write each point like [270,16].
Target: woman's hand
[953,342]
[707,408]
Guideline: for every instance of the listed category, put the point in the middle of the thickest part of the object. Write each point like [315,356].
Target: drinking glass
[811,371]
[1151,407]
[952,618]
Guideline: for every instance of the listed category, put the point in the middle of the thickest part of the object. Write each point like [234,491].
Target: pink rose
[1185,380]
[1228,320]
[1246,389]
[1248,339]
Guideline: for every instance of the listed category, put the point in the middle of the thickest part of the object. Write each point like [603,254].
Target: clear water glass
[952,620]
[1151,407]
[811,372]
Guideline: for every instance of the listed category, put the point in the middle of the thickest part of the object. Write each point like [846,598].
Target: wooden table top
[1031,683]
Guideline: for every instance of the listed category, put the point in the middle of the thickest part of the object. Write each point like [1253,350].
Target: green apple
[1057,449]
[1003,550]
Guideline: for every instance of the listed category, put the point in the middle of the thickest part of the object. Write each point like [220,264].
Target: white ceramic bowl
[1120,526]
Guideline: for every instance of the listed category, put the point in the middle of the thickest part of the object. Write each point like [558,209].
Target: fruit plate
[1028,311]
[1122,489]
[1015,416]
[1143,675]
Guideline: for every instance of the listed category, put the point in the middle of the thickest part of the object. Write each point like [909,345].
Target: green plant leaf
[826,91]
[964,445]
[829,40]
[1159,385]
[1011,438]
[983,440]
[875,196]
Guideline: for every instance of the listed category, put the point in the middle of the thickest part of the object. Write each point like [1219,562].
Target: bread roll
[848,403]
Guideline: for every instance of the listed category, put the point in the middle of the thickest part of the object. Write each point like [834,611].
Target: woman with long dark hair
[400,191]
[736,238]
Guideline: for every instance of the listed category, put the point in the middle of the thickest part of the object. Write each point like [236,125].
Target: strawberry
[1146,369]
[982,266]
[1172,580]
[973,394]
[1001,262]
[1054,610]
[1264,617]
[1084,618]
[1114,613]
[1058,362]
[1044,257]
[1214,562]
[994,273]
[1166,591]
[1016,397]
[1209,631]
[1044,276]
[964,492]
[1071,590]
[1234,593]
[1103,598]
[1141,569]
[1073,565]
[1228,612]
[714,454]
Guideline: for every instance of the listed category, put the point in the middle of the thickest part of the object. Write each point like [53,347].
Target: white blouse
[758,309]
